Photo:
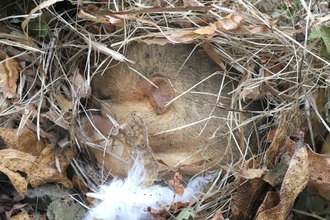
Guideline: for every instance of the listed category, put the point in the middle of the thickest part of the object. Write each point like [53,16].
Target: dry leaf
[79,85]
[254,29]
[64,103]
[243,89]
[8,76]
[319,179]
[21,216]
[183,36]
[294,182]
[231,22]
[23,168]
[209,49]
[289,125]
[271,200]
[246,199]
[26,142]
[176,185]
[275,176]
[34,10]
[252,173]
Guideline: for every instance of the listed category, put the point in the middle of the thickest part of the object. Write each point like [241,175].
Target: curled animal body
[176,104]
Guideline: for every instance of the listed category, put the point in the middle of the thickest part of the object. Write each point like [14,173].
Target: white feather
[129,199]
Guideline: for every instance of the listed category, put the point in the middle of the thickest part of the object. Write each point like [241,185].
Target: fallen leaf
[22,208]
[244,91]
[64,103]
[21,216]
[79,85]
[275,176]
[8,76]
[294,182]
[23,168]
[231,22]
[252,173]
[176,185]
[61,209]
[319,179]
[183,36]
[247,199]
[271,200]
[209,49]
[289,125]
[26,142]
[254,29]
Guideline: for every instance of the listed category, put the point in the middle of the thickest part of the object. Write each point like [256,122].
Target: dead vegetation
[51,50]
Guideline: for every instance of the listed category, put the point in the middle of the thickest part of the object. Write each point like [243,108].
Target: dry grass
[272,51]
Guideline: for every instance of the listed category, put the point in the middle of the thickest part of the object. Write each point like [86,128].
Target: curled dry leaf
[176,185]
[294,182]
[209,49]
[79,85]
[252,173]
[23,168]
[231,22]
[289,125]
[246,198]
[8,76]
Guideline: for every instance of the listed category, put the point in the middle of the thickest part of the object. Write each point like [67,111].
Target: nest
[51,54]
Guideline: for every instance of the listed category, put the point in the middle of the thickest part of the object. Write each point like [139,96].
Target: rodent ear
[158,97]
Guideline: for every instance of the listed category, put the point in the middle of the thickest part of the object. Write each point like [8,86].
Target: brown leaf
[271,200]
[26,142]
[289,125]
[243,90]
[20,216]
[275,176]
[252,173]
[294,182]
[209,49]
[176,185]
[8,76]
[319,179]
[254,29]
[23,168]
[183,36]
[231,22]
[79,85]
[243,204]
[64,103]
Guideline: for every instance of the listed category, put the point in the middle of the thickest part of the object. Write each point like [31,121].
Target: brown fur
[208,134]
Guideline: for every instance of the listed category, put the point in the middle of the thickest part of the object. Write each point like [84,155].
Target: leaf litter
[45,73]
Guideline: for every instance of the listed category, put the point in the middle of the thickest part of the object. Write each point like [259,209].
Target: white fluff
[129,199]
